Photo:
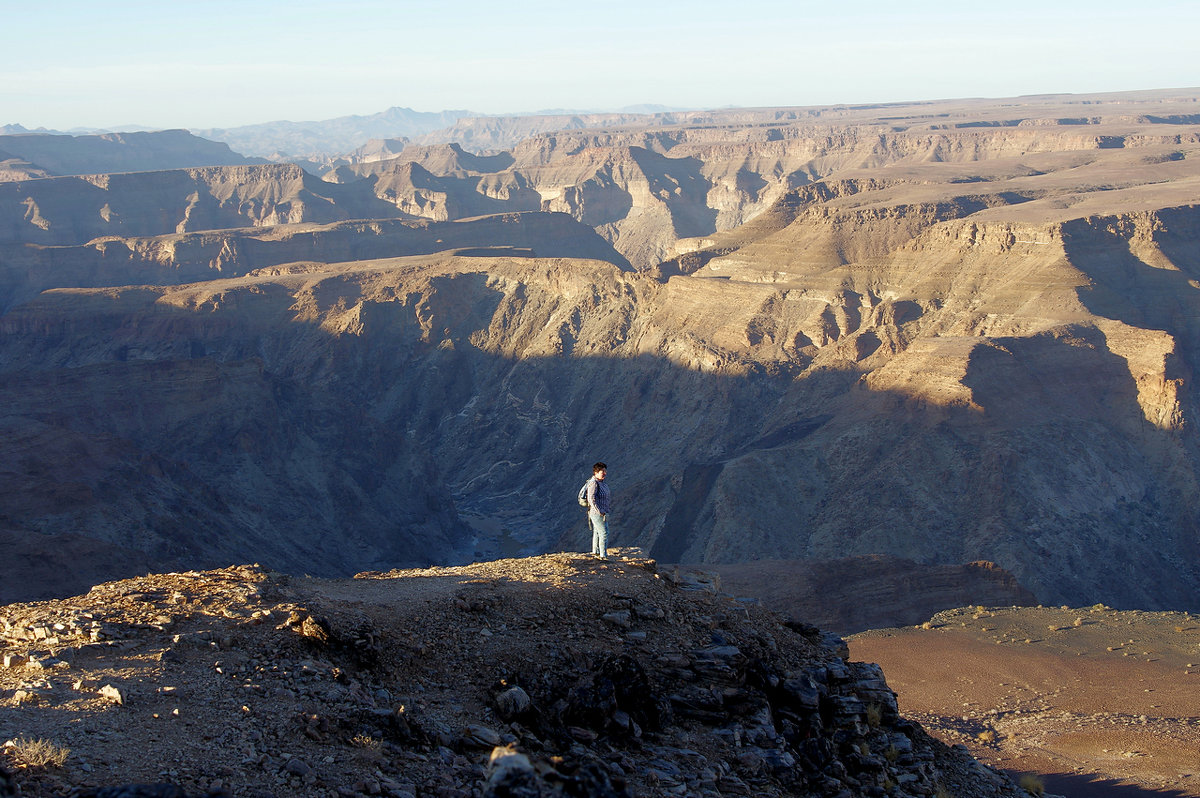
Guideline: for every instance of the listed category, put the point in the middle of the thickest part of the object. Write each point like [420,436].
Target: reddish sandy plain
[1095,702]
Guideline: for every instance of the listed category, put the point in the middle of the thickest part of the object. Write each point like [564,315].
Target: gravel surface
[576,676]
[1097,701]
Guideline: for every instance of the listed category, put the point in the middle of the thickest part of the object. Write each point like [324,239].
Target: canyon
[946,332]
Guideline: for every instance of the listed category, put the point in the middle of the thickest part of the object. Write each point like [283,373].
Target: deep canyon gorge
[946,332]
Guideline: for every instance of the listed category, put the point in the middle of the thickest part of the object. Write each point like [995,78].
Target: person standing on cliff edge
[599,500]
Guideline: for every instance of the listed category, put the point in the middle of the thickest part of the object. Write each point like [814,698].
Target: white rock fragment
[113,694]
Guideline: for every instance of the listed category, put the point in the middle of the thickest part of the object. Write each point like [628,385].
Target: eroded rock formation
[941,337]
[57,154]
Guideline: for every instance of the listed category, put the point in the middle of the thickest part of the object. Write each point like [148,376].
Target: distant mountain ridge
[943,332]
[342,134]
[47,154]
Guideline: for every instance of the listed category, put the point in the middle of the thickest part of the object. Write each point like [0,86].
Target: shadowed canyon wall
[883,350]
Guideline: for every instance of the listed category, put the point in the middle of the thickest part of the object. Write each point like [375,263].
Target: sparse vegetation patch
[37,753]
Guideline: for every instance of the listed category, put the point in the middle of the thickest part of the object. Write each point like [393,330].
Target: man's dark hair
[599,467]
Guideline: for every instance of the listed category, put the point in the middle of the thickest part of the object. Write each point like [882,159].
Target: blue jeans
[599,524]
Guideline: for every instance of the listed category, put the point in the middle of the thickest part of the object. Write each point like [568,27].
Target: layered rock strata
[941,341]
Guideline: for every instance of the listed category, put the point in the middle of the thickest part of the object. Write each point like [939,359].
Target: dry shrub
[366,741]
[369,748]
[37,753]
[1032,784]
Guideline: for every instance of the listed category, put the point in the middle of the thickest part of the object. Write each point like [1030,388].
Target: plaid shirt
[599,496]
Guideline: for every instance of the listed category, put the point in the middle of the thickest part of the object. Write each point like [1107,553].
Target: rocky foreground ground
[550,675]
[1099,702]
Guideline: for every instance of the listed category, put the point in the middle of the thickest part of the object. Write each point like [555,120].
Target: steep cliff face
[149,442]
[13,167]
[74,210]
[735,429]
[26,269]
[941,359]
[1040,367]
[648,190]
[56,154]
[1064,110]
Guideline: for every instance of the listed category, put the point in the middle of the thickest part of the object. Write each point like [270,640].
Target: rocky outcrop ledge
[543,676]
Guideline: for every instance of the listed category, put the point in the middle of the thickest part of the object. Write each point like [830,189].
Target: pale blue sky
[221,63]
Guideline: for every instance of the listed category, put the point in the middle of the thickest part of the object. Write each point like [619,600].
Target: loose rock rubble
[557,675]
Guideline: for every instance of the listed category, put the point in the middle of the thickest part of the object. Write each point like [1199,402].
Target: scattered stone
[647,612]
[697,580]
[511,775]
[582,735]
[25,697]
[513,703]
[113,694]
[315,628]
[44,663]
[481,736]
[620,618]
[138,791]
[779,713]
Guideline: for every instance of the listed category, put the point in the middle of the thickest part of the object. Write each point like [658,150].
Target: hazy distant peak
[339,135]
[651,108]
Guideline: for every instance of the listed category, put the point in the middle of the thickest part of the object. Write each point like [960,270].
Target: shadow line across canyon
[232,433]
